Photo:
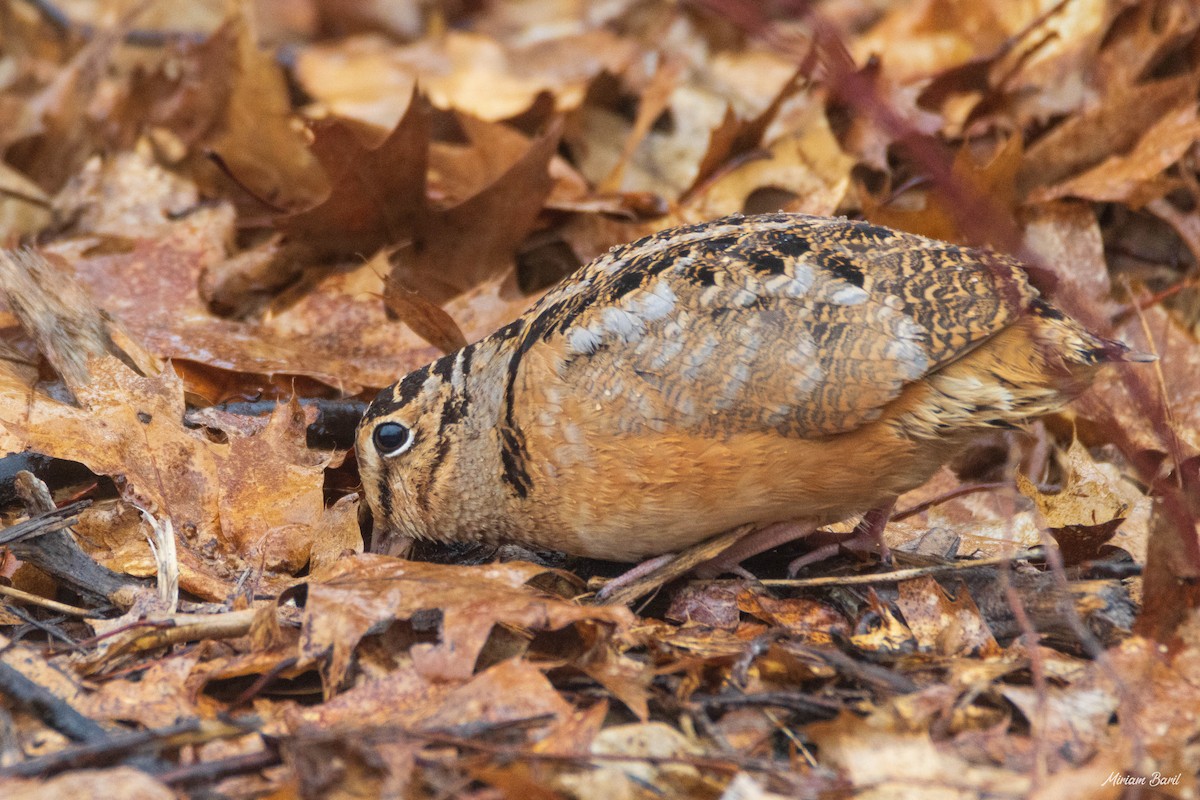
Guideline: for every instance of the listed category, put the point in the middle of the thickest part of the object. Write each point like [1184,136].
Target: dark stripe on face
[444,367]
[398,395]
[468,353]
[454,410]
[384,490]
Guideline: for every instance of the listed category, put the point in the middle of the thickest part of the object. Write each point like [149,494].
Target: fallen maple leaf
[351,597]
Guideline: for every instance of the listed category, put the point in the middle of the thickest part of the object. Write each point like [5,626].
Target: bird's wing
[802,325]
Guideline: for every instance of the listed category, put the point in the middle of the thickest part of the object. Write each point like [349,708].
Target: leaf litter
[286,205]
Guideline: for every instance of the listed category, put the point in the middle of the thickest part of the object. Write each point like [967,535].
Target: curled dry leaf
[1085,140]
[1064,237]
[984,523]
[427,320]
[945,625]
[1135,177]
[948,211]
[126,195]
[256,497]
[804,618]
[336,332]
[272,495]
[1070,721]
[156,698]
[1086,511]
[881,753]
[807,170]
[402,704]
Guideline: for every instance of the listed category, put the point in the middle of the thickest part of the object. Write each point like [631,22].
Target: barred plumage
[750,369]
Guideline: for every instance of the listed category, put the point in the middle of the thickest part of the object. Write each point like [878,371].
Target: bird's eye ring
[392,439]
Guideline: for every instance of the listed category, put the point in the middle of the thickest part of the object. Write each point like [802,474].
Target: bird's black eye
[392,438]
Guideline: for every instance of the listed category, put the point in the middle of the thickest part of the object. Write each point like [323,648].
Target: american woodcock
[746,370]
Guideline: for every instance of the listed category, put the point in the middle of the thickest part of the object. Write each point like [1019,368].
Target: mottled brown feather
[751,369]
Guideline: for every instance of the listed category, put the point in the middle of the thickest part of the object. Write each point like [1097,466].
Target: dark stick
[43,524]
[110,749]
[48,707]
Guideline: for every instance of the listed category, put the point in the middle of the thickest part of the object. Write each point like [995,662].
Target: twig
[211,771]
[48,627]
[43,523]
[792,701]
[961,491]
[897,575]
[46,603]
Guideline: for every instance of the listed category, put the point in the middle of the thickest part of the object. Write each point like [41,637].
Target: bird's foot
[868,534]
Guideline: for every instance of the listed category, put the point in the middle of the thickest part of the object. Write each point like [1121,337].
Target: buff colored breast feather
[746,370]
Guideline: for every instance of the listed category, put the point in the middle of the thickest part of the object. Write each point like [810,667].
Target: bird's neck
[472,500]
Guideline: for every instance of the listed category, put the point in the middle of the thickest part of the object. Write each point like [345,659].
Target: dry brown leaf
[652,103]
[336,331]
[1135,177]
[24,207]
[809,620]
[736,136]
[257,135]
[130,426]
[460,247]
[352,596]
[882,757]
[1145,401]
[427,320]
[944,625]
[936,213]
[509,692]
[626,780]
[709,603]
[257,497]
[364,77]
[1162,697]
[1085,512]
[1064,238]
[89,784]
[1070,721]
[807,168]
[156,698]
[271,493]
[377,185]
[1110,128]
[127,195]
[984,524]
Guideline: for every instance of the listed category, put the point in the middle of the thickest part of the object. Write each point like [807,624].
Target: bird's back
[750,369]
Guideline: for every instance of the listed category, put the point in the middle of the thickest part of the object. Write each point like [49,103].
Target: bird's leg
[867,533]
[633,574]
[753,543]
[649,575]
[724,553]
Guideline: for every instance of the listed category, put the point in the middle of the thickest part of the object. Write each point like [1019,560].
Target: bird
[784,371]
